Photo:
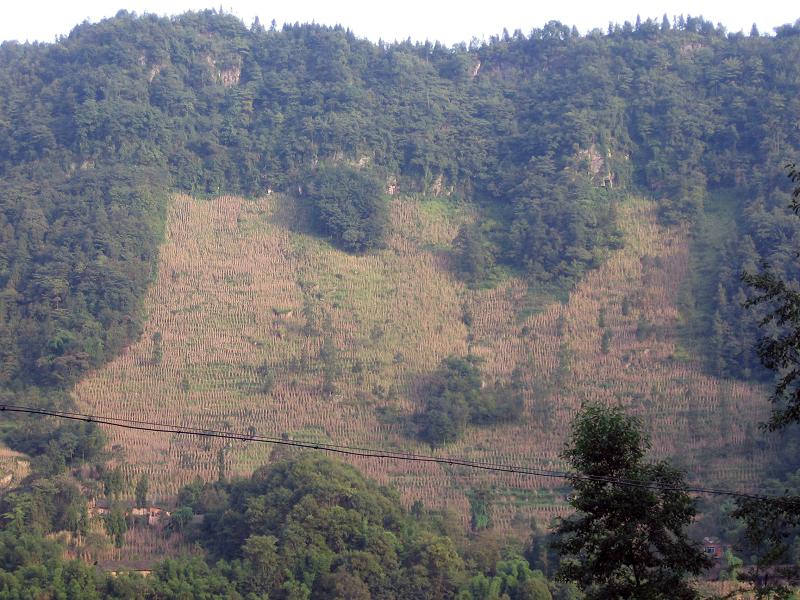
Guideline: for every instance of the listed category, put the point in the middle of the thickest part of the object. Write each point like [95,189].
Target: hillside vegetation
[301,233]
[244,306]
[539,130]
[306,528]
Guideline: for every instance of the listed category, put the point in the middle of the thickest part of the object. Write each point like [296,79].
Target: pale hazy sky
[447,21]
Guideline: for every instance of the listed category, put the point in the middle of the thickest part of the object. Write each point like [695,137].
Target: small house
[713,548]
[98,507]
[152,513]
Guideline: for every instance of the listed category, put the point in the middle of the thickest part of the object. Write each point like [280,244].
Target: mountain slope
[98,128]
[245,300]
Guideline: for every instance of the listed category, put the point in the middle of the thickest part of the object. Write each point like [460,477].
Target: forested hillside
[300,228]
[300,529]
[540,130]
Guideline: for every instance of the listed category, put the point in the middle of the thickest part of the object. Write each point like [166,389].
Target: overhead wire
[365,452]
[188,430]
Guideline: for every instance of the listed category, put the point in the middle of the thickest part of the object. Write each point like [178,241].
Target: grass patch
[439,208]
[311,435]
[537,498]
[538,298]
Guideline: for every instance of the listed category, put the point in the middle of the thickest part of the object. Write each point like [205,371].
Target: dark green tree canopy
[348,206]
[316,525]
[779,346]
[457,395]
[625,541]
[772,524]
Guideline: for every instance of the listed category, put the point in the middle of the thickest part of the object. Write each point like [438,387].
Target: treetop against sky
[447,21]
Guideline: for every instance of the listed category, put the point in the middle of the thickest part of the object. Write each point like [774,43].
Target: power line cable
[221,433]
[187,430]
[361,452]
[352,450]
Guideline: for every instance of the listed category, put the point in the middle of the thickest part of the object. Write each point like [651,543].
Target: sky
[447,21]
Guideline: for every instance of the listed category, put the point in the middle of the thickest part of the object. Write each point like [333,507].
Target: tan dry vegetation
[142,543]
[727,589]
[14,467]
[238,286]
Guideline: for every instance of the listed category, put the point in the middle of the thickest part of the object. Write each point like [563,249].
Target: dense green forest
[301,528]
[541,133]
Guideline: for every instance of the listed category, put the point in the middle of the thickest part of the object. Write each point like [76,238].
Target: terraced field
[245,300]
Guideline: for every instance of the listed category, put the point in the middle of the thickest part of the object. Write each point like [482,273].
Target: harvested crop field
[245,299]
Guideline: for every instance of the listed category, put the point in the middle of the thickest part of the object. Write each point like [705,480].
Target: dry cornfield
[14,467]
[144,544]
[242,290]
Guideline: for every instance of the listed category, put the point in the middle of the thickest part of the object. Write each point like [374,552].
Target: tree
[180,518]
[771,523]
[113,483]
[264,572]
[331,367]
[780,351]
[457,395]
[266,378]
[158,352]
[624,541]
[452,390]
[142,487]
[732,565]
[474,255]
[116,525]
[513,578]
[480,505]
[222,469]
[348,206]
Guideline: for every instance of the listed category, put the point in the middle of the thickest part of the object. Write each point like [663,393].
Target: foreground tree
[624,541]
[779,348]
[772,525]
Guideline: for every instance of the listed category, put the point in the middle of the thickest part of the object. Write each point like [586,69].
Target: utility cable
[362,452]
